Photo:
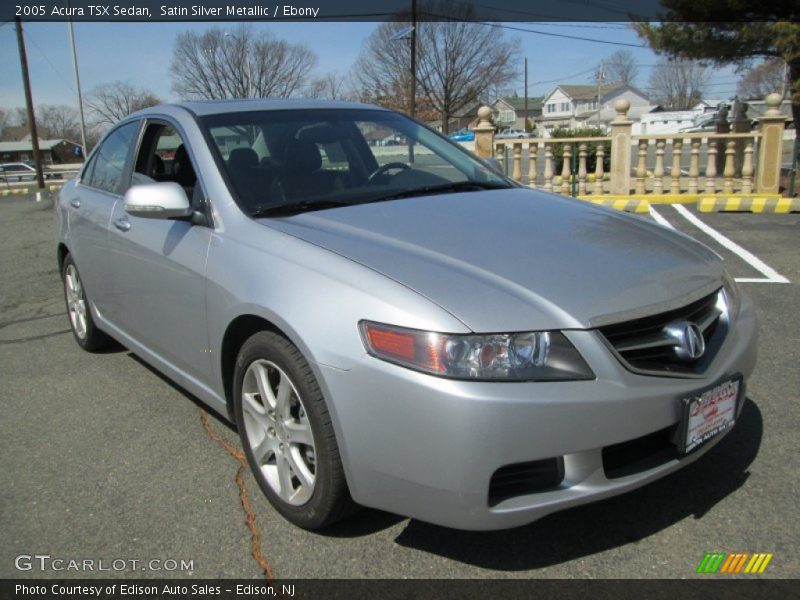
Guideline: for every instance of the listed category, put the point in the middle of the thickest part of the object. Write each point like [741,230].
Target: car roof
[215,107]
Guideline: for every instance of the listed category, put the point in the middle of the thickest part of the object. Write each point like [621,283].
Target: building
[54,152]
[509,111]
[463,119]
[575,106]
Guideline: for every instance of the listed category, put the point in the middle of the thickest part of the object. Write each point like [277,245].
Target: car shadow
[221,419]
[596,527]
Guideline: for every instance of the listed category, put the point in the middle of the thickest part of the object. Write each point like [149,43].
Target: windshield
[285,162]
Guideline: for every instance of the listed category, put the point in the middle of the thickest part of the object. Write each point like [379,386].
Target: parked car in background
[423,336]
[462,135]
[512,134]
[16,172]
[707,125]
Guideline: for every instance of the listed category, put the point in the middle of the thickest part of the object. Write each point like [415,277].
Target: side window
[108,168]
[163,157]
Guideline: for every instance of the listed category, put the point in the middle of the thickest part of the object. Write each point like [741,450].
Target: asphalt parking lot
[104,459]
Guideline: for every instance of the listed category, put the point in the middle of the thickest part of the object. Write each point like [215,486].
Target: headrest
[243,158]
[303,157]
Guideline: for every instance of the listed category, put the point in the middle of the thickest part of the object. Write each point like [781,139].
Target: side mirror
[165,200]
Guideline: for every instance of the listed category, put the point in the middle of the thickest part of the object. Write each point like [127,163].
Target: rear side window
[108,165]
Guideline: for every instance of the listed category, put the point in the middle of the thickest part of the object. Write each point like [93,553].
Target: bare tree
[110,102]
[58,122]
[765,78]
[678,84]
[457,63]
[332,86]
[382,72]
[4,120]
[621,67]
[238,63]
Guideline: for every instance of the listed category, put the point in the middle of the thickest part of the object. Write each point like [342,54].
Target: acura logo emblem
[689,341]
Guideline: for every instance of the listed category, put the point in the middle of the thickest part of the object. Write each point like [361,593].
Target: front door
[158,266]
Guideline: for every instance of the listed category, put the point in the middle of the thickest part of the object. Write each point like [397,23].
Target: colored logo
[734,563]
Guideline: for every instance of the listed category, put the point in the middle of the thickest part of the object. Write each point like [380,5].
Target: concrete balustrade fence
[655,166]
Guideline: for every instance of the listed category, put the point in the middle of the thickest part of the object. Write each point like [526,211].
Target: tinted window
[108,168]
[289,158]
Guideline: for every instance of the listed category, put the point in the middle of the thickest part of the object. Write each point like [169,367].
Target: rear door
[90,207]
[157,266]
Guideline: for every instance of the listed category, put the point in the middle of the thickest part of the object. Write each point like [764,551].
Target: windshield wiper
[444,188]
[295,208]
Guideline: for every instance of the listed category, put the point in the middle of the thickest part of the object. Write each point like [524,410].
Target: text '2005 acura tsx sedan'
[399,326]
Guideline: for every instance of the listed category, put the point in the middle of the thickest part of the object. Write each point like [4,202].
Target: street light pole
[78,86]
[26,83]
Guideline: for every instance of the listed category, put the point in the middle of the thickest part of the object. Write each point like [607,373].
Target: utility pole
[26,83]
[412,91]
[412,100]
[600,76]
[78,85]
[526,95]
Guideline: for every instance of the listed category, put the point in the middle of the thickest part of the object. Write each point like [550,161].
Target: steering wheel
[387,167]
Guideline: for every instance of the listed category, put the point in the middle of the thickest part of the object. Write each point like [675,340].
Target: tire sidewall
[86,343]
[272,347]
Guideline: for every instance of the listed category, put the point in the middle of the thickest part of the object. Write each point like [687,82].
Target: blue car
[462,135]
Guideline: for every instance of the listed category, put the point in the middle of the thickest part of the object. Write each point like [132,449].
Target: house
[661,121]
[54,152]
[574,106]
[463,119]
[509,111]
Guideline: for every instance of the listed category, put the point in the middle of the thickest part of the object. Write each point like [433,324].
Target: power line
[49,62]
[561,35]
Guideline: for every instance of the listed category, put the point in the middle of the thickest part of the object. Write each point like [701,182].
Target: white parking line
[771,275]
[659,219]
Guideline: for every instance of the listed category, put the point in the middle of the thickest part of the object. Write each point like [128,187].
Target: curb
[627,205]
[14,192]
[751,205]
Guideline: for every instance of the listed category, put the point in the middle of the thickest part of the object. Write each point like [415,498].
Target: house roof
[26,145]
[518,103]
[589,92]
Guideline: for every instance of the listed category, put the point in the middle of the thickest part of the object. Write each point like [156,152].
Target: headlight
[531,356]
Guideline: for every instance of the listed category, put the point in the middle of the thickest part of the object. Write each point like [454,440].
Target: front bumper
[427,447]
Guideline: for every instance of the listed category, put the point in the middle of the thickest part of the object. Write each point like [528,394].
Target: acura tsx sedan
[399,326]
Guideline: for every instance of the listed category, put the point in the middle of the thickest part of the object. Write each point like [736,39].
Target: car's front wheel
[86,333]
[286,433]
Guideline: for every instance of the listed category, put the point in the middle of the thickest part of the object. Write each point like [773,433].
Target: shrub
[591,148]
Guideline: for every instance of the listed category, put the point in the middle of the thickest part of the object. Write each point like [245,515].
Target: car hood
[517,259]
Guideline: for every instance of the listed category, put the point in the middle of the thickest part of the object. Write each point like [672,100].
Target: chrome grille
[644,345]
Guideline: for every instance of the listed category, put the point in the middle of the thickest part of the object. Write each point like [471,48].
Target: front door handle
[75,203]
[123,224]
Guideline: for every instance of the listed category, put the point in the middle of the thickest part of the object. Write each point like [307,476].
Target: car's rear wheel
[286,433]
[86,333]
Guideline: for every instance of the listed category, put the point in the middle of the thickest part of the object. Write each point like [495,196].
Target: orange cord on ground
[255,546]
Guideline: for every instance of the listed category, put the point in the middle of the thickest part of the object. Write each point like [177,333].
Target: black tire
[90,338]
[330,500]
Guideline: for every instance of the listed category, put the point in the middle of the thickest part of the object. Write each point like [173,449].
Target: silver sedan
[399,326]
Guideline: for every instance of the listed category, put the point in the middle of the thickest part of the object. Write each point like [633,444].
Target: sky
[140,54]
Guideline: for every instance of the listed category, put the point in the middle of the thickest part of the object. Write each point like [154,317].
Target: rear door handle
[123,224]
[75,203]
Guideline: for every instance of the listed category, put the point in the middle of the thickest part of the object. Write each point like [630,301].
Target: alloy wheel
[279,432]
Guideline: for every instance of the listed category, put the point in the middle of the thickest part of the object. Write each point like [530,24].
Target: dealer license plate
[709,414]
